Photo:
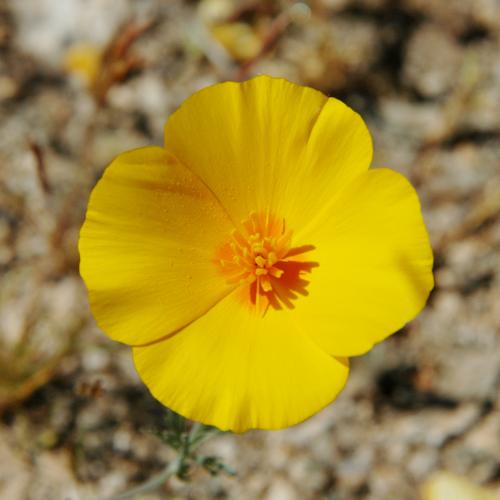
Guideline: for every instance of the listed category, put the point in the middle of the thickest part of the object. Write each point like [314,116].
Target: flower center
[260,258]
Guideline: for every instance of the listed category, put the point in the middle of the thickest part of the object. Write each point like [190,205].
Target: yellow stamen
[260,261]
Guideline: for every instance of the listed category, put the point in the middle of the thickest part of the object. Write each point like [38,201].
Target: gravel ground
[75,422]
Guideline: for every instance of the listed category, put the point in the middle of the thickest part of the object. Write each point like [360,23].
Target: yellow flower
[239,39]
[84,60]
[246,259]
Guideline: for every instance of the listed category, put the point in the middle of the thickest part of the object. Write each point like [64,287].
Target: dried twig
[117,61]
[38,375]
[41,168]
[277,28]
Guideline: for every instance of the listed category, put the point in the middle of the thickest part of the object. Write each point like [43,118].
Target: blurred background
[83,80]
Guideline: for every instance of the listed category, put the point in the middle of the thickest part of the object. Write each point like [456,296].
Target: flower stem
[191,440]
[153,483]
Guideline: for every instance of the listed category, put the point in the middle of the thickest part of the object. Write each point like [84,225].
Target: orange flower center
[260,257]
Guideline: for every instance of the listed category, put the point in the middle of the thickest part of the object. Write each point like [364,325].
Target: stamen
[277,273]
[265,284]
[272,258]
[260,258]
[260,261]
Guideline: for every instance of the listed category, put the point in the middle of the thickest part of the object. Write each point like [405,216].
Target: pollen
[260,257]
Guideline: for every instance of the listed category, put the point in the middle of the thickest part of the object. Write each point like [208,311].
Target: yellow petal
[444,485]
[84,60]
[269,145]
[147,245]
[238,370]
[239,39]
[375,265]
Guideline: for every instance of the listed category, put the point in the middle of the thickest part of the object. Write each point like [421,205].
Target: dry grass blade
[118,61]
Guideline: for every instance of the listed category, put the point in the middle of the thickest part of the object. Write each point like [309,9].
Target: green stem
[153,483]
[191,441]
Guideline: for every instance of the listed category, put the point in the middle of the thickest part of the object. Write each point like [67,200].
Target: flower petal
[375,265]
[238,370]
[147,246]
[269,145]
